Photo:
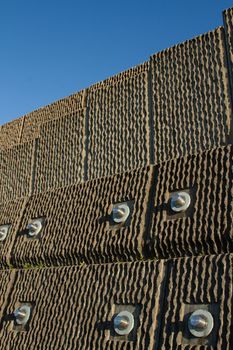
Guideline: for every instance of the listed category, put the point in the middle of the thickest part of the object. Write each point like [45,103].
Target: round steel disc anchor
[22,314]
[123,323]
[3,232]
[180,201]
[35,227]
[200,323]
[120,213]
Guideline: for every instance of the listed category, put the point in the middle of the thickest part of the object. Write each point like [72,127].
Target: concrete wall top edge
[188,41]
[115,78]
[227,10]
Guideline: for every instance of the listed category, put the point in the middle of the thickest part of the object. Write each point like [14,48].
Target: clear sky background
[50,49]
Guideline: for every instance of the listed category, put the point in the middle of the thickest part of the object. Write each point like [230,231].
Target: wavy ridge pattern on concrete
[138,139]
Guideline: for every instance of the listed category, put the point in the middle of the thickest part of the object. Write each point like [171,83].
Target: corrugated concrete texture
[16,168]
[206,226]
[61,108]
[118,123]
[78,219]
[177,103]
[198,283]
[10,214]
[7,278]
[228,24]
[191,97]
[74,307]
[10,134]
[79,226]
[60,152]
[137,139]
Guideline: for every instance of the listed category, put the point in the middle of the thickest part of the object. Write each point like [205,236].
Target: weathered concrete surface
[177,103]
[10,134]
[73,307]
[197,283]
[61,108]
[79,226]
[191,97]
[228,25]
[16,171]
[10,214]
[6,283]
[60,152]
[206,226]
[72,161]
[118,123]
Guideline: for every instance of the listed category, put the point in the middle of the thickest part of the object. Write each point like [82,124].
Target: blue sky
[50,49]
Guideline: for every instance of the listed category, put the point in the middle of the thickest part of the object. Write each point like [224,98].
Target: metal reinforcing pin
[123,323]
[120,213]
[201,323]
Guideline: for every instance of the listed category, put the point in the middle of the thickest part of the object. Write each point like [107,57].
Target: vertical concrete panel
[6,283]
[198,283]
[10,215]
[206,226]
[118,123]
[79,225]
[10,133]
[60,152]
[60,108]
[15,171]
[228,25]
[74,307]
[191,97]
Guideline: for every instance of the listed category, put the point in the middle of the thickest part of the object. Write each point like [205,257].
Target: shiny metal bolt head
[35,227]
[4,231]
[200,323]
[22,314]
[123,323]
[120,213]
[180,201]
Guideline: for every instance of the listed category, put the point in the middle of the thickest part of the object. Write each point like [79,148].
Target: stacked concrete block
[75,307]
[78,224]
[175,104]
[116,208]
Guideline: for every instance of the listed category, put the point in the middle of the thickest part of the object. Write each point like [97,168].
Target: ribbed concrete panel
[190,97]
[118,123]
[6,282]
[60,152]
[73,307]
[15,171]
[79,224]
[206,226]
[228,21]
[10,215]
[10,134]
[32,121]
[198,283]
